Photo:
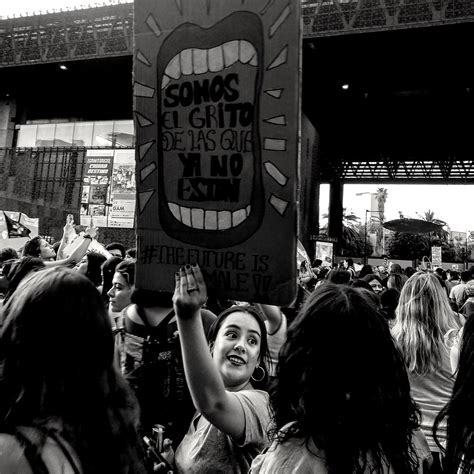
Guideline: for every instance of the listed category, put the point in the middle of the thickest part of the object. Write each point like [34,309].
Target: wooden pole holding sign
[217,91]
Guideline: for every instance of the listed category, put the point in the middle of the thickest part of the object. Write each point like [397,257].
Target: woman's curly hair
[342,381]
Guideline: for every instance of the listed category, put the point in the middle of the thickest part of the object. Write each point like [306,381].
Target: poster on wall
[217,90]
[96,187]
[325,253]
[123,192]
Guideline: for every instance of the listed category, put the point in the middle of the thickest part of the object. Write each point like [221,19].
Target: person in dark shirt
[149,355]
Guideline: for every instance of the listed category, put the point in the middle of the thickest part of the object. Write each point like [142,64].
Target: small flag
[15,229]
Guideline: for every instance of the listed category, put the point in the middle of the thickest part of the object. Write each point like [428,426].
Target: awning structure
[412,226]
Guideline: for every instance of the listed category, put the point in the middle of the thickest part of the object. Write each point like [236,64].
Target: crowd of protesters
[366,371]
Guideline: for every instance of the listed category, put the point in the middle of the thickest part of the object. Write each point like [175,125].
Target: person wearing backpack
[149,355]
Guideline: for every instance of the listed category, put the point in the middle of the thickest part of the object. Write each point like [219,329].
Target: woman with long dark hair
[63,405]
[90,266]
[108,271]
[19,270]
[459,411]
[341,398]
[38,247]
[225,376]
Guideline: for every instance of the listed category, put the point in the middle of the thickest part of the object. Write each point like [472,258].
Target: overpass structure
[387,89]
[100,32]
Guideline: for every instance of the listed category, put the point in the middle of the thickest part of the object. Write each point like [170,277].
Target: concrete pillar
[308,206]
[336,194]
[7,121]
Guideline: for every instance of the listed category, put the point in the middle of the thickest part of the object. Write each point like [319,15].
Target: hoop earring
[263,374]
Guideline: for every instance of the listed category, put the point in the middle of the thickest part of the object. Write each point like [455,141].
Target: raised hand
[92,231]
[68,229]
[190,291]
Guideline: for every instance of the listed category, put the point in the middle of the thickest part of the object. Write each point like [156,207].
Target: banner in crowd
[16,228]
[108,191]
[217,87]
[325,253]
[301,255]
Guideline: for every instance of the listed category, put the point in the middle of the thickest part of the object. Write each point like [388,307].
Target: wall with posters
[216,90]
[108,190]
[123,191]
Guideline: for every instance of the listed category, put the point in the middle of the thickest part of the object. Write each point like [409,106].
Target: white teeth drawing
[208,220]
[200,61]
[216,59]
[231,52]
[186,61]
[173,69]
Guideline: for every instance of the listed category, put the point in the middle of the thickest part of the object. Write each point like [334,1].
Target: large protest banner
[217,85]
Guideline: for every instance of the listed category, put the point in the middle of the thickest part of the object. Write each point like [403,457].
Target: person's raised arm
[68,231]
[79,250]
[273,317]
[220,407]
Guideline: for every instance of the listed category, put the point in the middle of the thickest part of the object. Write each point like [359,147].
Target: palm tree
[350,226]
[441,234]
[381,197]
[353,235]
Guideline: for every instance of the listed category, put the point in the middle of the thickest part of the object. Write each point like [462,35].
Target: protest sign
[216,89]
[436,260]
[325,253]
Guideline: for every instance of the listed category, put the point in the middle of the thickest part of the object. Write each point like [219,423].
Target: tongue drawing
[209,164]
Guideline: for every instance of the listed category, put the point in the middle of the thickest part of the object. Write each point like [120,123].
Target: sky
[15,7]
[450,203]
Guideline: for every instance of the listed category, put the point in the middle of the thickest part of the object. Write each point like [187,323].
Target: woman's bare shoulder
[12,458]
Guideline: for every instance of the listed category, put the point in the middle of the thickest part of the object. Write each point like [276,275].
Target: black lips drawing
[209,160]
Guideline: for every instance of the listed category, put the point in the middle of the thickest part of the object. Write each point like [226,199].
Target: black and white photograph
[236,237]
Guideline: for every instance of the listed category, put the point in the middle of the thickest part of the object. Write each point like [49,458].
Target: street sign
[436,256]
[322,238]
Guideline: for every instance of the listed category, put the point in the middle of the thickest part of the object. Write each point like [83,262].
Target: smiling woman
[226,380]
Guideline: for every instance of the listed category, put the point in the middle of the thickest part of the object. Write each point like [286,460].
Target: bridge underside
[407,114]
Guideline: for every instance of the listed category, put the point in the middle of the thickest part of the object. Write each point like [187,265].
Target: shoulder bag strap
[66,451]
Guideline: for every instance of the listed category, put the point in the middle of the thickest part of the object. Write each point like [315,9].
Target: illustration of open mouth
[209,164]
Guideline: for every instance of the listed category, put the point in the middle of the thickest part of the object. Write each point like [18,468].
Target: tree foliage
[408,246]
[353,236]
[416,246]
[441,234]
[355,246]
